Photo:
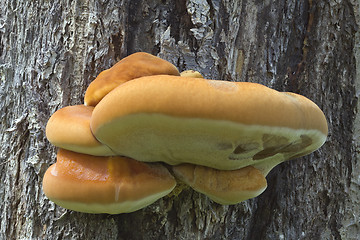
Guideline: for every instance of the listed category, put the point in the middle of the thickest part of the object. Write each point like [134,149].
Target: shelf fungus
[218,124]
[134,66]
[95,184]
[220,138]
[69,128]
[223,187]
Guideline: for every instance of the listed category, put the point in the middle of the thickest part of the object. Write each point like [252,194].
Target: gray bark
[51,50]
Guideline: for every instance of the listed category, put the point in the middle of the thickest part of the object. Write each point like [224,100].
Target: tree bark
[51,50]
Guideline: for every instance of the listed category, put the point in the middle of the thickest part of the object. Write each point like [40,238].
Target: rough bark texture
[51,50]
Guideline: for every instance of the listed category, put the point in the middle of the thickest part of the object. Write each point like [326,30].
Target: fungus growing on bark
[223,187]
[218,124]
[134,66]
[94,184]
[69,128]
[222,137]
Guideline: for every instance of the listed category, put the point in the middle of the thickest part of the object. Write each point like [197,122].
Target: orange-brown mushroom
[226,136]
[134,66]
[219,124]
[222,186]
[69,128]
[91,184]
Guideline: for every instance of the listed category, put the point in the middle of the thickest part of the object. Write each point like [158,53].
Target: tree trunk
[51,50]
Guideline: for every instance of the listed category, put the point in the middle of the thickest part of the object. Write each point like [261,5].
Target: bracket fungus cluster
[144,127]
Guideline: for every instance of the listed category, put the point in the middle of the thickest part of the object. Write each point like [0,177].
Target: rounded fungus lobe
[219,124]
[134,66]
[69,128]
[91,184]
[223,187]
[191,73]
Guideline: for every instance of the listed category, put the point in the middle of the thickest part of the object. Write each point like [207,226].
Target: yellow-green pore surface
[224,125]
